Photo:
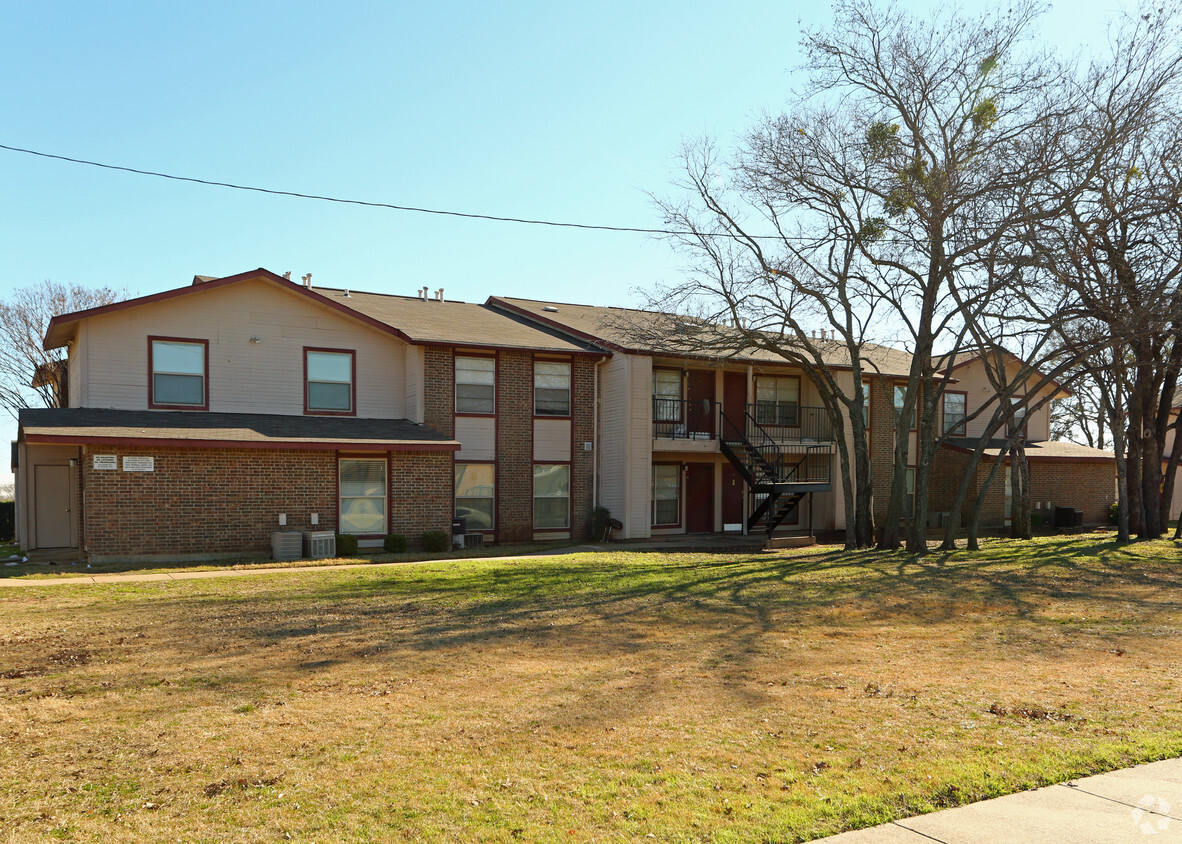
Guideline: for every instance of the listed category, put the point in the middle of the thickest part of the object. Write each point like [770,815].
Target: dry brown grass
[595,697]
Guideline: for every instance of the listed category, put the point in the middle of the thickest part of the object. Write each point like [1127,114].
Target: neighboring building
[201,419]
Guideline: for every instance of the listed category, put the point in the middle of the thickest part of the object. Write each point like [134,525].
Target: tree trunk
[975,517]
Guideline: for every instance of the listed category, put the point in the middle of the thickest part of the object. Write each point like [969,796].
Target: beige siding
[625,441]
[640,443]
[75,369]
[414,377]
[552,440]
[244,377]
[972,379]
[611,447]
[477,436]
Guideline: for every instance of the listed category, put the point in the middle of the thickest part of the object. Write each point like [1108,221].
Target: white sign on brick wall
[106,461]
[139,464]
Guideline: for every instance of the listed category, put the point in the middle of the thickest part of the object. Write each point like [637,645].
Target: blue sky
[545,110]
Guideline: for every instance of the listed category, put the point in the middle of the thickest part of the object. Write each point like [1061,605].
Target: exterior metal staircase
[782,475]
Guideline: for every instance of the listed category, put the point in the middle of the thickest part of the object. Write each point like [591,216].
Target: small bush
[394,543]
[436,540]
[346,545]
[1037,520]
[597,524]
[1113,513]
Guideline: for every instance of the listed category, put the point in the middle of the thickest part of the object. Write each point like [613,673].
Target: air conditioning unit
[320,544]
[285,545]
[473,540]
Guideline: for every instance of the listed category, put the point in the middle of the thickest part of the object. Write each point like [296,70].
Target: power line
[411,208]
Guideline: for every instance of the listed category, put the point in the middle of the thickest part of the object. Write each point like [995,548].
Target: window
[666,395]
[666,508]
[900,395]
[475,490]
[178,373]
[329,381]
[476,382]
[866,390]
[954,413]
[551,496]
[363,495]
[551,388]
[1018,420]
[777,401]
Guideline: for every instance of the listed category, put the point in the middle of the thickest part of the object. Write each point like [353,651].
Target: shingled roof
[632,330]
[227,430]
[1039,450]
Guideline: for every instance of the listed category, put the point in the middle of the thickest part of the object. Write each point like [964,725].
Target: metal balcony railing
[682,419]
[789,421]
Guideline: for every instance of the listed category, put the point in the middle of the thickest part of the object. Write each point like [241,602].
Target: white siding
[552,440]
[477,436]
[244,377]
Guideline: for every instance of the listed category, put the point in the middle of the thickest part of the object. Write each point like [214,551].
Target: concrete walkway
[1142,804]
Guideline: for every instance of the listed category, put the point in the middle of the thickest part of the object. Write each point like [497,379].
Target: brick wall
[421,492]
[583,431]
[515,446]
[224,501]
[1086,486]
[439,400]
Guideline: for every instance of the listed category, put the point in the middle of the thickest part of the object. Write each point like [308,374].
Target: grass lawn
[591,697]
[67,569]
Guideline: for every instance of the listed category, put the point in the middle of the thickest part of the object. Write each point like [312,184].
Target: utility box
[286,545]
[320,544]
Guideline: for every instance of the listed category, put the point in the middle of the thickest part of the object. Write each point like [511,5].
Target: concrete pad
[1156,787]
[1044,816]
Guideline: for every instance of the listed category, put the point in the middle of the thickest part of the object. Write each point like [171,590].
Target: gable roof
[609,327]
[410,319]
[428,321]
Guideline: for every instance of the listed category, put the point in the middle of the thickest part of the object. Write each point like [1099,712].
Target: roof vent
[348,295]
[307,280]
[439,295]
[550,309]
[287,275]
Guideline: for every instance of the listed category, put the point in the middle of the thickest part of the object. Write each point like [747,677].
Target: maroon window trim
[152,405]
[569,464]
[1025,419]
[961,429]
[352,353]
[894,407]
[496,384]
[570,407]
[496,489]
[680,496]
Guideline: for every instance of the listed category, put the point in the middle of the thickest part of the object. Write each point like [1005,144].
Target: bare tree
[872,204]
[30,375]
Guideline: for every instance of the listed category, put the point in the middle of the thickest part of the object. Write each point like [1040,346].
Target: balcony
[789,422]
[682,419]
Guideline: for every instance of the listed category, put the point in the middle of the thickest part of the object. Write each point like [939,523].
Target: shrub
[346,545]
[1113,513]
[436,540]
[597,524]
[394,543]
[1036,519]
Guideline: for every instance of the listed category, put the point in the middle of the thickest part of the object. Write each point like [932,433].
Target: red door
[699,498]
[699,412]
[732,497]
[734,403]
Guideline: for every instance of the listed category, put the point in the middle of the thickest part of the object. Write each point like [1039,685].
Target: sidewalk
[1142,804]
